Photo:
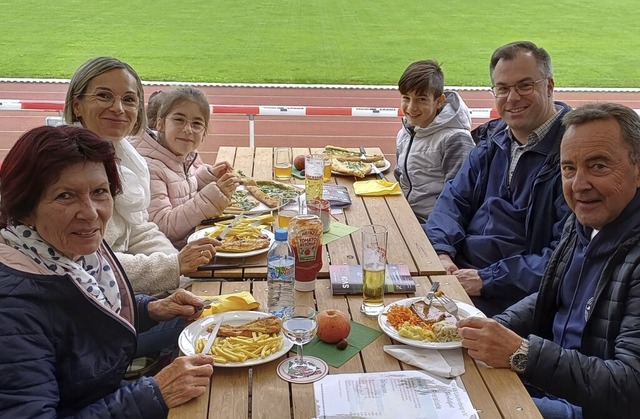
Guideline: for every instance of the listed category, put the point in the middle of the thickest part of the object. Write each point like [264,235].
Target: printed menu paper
[407,394]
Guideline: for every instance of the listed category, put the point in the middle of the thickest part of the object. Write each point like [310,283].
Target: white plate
[464,310]
[198,330]
[387,165]
[201,233]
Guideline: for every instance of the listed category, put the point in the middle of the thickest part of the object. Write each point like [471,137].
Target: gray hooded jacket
[428,157]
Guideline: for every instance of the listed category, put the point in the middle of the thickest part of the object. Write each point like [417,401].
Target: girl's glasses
[181,122]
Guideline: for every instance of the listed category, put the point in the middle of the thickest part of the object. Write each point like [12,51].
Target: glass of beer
[282,163]
[374,263]
[286,211]
[326,174]
[313,178]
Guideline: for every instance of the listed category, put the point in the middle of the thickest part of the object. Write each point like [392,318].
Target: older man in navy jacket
[496,223]
[576,342]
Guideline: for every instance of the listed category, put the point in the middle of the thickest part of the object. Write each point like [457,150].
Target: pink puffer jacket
[181,195]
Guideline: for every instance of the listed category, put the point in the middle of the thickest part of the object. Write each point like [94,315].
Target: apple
[333,326]
[298,162]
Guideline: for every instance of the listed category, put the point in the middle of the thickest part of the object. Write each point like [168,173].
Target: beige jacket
[147,256]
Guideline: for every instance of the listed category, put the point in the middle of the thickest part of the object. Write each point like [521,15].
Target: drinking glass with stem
[300,326]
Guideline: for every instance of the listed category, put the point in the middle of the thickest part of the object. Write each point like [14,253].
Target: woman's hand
[197,253]
[228,183]
[220,169]
[187,377]
[181,303]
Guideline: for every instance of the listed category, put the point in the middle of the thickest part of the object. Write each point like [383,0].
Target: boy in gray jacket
[435,138]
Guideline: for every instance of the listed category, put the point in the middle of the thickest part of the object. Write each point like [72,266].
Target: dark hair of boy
[422,77]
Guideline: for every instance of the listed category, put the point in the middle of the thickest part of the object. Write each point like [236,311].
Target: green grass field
[592,43]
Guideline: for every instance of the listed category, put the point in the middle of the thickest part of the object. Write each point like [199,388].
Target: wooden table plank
[473,382]
[270,393]
[505,386]
[227,154]
[263,163]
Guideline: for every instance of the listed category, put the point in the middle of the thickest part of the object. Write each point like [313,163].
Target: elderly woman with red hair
[68,315]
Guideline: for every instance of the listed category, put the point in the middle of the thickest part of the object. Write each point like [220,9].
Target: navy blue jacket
[507,231]
[603,374]
[65,355]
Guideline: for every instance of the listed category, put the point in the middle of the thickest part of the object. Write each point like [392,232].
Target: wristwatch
[518,359]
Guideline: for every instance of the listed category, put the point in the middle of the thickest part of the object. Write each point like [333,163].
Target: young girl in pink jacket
[181,194]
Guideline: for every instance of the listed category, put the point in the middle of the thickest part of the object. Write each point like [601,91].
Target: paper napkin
[338,230]
[229,302]
[359,337]
[378,187]
[447,363]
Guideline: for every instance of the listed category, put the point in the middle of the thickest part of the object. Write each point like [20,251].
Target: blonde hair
[93,68]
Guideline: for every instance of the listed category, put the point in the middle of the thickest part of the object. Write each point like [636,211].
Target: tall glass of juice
[313,176]
[374,264]
[326,173]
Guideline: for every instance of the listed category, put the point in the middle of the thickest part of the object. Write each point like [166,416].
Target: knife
[427,300]
[363,154]
[230,226]
[220,266]
[212,221]
[211,338]
[377,171]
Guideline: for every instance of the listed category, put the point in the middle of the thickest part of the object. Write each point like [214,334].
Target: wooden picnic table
[407,244]
[258,391]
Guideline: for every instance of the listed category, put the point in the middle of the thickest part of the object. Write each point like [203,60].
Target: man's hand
[470,281]
[181,303]
[187,377]
[447,263]
[488,341]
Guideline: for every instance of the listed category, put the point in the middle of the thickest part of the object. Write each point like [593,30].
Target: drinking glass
[282,163]
[300,326]
[313,176]
[326,173]
[286,211]
[374,263]
[321,208]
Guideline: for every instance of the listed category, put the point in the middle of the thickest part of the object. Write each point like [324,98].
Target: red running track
[305,131]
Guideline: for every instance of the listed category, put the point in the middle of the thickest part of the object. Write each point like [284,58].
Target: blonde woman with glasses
[183,194]
[106,96]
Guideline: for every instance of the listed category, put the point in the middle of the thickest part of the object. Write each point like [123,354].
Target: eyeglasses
[181,122]
[107,99]
[523,89]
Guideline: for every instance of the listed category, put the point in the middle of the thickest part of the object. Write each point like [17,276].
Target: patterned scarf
[92,272]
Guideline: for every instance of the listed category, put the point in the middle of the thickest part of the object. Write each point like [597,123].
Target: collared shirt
[517,149]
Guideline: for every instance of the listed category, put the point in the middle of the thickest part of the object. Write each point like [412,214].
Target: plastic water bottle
[280,275]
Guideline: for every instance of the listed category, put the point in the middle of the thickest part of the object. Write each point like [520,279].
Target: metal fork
[449,305]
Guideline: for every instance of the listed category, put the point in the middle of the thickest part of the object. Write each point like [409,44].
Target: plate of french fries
[235,351]
[250,228]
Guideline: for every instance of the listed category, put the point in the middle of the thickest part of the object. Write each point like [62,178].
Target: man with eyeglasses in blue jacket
[497,222]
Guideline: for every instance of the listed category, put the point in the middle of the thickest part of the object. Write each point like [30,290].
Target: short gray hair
[92,68]
[627,118]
